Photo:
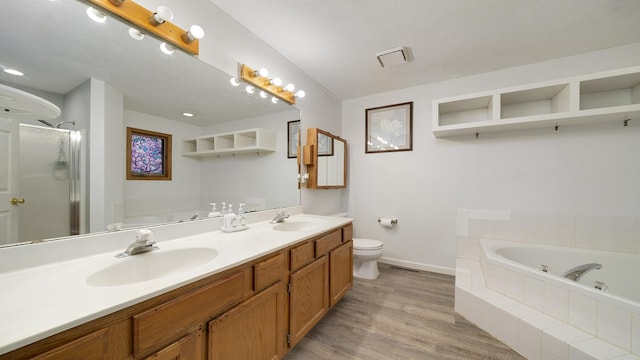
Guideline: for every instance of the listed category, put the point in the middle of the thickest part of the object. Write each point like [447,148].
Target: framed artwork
[389,128]
[148,155]
[293,138]
[325,145]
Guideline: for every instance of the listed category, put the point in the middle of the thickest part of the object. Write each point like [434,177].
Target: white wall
[182,193]
[590,169]
[264,181]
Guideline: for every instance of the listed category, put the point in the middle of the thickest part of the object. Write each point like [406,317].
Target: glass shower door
[46,169]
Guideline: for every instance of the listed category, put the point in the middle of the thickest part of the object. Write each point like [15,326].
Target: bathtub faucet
[577,272]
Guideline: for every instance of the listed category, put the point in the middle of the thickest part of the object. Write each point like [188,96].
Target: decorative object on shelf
[156,22]
[293,138]
[259,80]
[148,155]
[389,128]
[607,96]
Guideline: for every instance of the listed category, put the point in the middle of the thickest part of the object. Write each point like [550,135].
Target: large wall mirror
[326,160]
[104,81]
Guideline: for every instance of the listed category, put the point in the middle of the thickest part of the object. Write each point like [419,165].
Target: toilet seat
[367,244]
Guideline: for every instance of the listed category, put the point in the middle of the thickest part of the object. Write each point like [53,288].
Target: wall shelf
[608,96]
[235,142]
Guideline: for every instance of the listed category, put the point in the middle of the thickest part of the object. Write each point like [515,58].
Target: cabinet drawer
[189,347]
[347,233]
[268,272]
[328,242]
[156,326]
[92,346]
[301,255]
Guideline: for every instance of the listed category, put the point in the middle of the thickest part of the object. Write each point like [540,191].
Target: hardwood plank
[403,314]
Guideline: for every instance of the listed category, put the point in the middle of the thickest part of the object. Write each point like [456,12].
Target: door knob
[16,201]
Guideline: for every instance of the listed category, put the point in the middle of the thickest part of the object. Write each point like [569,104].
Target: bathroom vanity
[263,291]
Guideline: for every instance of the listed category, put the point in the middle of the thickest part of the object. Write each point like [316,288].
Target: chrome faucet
[280,216]
[143,244]
[577,272]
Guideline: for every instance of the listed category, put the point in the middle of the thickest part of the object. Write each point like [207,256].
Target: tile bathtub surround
[603,326]
[612,233]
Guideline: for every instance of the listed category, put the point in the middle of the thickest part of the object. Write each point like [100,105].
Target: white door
[9,147]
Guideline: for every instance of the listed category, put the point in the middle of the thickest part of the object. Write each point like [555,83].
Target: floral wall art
[148,155]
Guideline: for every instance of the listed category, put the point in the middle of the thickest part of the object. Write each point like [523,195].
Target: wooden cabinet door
[253,330]
[187,348]
[309,298]
[340,271]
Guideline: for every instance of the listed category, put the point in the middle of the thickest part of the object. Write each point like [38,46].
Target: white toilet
[366,252]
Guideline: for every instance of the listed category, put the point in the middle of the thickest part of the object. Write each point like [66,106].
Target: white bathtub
[574,310]
[618,272]
[148,220]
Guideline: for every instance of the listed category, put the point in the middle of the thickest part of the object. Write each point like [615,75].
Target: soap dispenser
[214,212]
[242,220]
[230,221]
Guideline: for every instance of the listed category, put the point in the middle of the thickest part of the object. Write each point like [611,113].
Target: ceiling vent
[392,57]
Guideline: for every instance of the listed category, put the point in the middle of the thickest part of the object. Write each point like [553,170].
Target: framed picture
[293,138]
[389,128]
[148,155]
[325,145]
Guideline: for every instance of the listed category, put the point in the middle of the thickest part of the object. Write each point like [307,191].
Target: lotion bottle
[214,212]
[242,220]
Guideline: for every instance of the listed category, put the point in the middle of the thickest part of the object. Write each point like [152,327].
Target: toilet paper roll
[386,222]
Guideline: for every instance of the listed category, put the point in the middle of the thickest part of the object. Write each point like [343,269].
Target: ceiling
[335,41]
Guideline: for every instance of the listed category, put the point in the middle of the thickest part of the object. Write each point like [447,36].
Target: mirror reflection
[104,81]
[327,169]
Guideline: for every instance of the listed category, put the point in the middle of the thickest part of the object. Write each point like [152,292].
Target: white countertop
[41,301]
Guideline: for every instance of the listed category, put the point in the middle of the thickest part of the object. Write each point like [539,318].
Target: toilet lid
[367,244]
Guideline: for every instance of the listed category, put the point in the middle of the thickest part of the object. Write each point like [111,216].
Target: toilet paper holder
[393,221]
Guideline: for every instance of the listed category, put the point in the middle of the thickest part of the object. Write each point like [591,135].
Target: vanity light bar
[139,16]
[250,76]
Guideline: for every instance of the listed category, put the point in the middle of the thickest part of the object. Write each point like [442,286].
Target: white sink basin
[298,224]
[150,266]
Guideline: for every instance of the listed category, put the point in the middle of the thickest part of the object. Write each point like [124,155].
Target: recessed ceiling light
[13,72]
[187,114]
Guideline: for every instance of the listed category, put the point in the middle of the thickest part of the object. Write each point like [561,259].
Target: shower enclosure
[49,182]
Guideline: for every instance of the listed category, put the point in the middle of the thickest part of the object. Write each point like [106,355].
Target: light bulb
[136,34]
[117,2]
[96,15]
[166,48]
[187,114]
[300,94]
[263,72]
[276,81]
[289,87]
[195,32]
[234,82]
[274,100]
[264,95]
[250,89]
[162,14]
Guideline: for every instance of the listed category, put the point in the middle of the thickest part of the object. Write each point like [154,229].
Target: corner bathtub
[618,270]
[514,270]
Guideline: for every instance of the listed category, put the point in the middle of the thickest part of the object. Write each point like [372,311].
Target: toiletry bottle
[224,208]
[230,220]
[242,220]
[214,212]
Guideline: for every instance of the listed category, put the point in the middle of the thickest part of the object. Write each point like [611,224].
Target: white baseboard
[418,266]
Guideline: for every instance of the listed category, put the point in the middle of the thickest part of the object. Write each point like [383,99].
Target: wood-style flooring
[404,314]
